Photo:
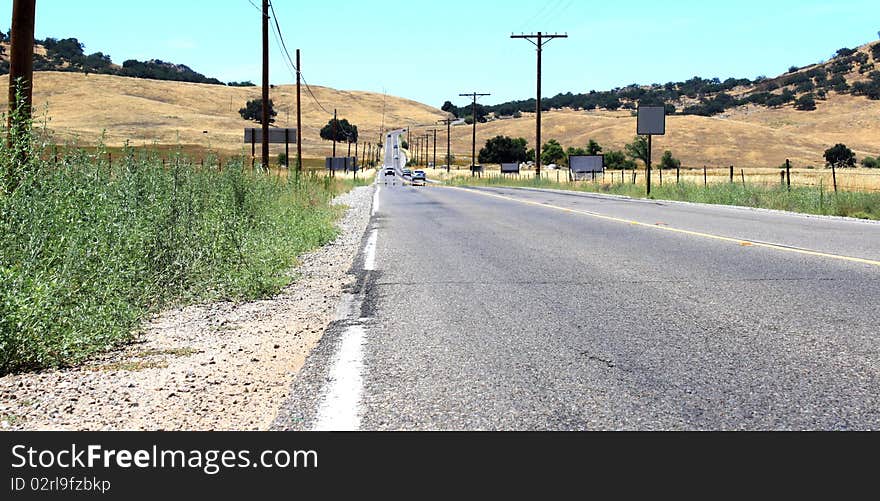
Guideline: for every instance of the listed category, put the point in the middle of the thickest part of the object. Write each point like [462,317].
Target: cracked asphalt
[489,314]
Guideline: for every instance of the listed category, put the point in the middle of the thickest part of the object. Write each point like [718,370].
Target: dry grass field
[87,108]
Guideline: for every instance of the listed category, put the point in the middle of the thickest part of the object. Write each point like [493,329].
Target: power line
[289,60]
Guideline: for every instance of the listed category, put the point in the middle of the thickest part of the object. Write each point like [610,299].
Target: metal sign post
[651,122]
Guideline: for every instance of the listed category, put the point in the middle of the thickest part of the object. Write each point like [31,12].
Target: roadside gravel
[219,366]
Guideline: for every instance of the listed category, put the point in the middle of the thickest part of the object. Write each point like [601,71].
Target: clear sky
[432,51]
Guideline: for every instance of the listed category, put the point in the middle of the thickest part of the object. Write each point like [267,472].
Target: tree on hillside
[503,149]
[344,131]
[669,162]
[253,110]
[638,149]
[593,148]
[552,153]
[805,103]
[840,157]
[448,107]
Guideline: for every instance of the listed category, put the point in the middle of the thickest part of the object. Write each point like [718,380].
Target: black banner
[251,465]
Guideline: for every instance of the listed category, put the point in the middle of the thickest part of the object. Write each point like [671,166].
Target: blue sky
[432,51]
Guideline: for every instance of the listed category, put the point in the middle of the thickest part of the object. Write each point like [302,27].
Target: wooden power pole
[299,134]
[21,60]
[448,124]
[265,118]
[21,77]
[539,40]
[474,95]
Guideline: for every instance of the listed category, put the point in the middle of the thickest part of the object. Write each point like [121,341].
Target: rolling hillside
[83,107]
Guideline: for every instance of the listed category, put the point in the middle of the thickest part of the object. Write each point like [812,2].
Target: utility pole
[266,84]
[335,132]
[448,123]
[299,134]
[435,149]
[475,95]
[539,40]
[21,66]
[427,147]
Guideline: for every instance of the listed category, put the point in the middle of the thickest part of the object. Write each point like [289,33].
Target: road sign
[652,121]
[276,136]
[586,164]
[510,168]
[341,164]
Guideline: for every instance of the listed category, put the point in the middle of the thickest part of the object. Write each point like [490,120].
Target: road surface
[503,309]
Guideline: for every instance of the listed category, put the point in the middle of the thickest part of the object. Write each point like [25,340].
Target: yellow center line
[737,241]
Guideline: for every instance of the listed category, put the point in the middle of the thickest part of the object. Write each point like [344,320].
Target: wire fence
[846,179]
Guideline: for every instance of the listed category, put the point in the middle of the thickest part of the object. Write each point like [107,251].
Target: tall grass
[800,199]
[87,251]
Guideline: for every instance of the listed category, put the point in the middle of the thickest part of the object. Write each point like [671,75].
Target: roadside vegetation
[799,199]
[89,250]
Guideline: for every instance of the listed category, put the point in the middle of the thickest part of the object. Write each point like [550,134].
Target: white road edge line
[340,407]
[376,199]
[370,251]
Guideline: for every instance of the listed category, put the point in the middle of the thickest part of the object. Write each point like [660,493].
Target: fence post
[788,173]
[705,177]
[743,173]
[834,176]
[731,174]
[678,175]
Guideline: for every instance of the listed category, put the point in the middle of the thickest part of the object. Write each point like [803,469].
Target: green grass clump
[88,251]
[800,199]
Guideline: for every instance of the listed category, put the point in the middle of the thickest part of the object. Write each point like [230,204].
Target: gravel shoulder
[220,366]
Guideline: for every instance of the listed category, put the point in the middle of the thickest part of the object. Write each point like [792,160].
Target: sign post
[276,136]
[651,122]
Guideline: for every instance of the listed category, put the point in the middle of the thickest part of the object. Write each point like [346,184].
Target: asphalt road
[502,309]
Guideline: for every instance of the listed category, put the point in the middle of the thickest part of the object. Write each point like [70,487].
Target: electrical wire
[290,62]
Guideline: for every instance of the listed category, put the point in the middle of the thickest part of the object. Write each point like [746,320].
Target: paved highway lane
[487,313]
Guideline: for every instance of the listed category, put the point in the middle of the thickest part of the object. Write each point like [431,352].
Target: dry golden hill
[746,137]
[83,107]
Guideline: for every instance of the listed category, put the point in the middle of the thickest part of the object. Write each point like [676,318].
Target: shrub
[88,251]
[806,103]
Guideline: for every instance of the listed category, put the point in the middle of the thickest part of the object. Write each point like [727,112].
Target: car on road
[407,173]
[419,178]
[390,172]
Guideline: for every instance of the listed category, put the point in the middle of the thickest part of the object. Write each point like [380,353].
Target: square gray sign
[652,121]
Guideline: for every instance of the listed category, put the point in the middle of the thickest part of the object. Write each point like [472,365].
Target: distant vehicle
[390,172]
[407,173]
[419,178]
